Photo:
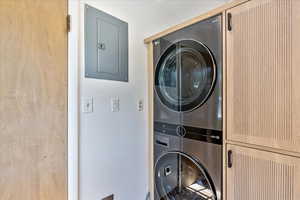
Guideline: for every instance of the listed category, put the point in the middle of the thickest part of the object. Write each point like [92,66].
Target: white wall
[113,147]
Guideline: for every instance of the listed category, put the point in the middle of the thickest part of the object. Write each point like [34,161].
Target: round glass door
[180,177]
[185,75]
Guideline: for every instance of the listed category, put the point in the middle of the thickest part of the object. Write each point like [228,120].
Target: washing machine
[188,163]
[188,76]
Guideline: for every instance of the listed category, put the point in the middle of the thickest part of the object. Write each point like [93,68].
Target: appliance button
[180,130]
[215,137]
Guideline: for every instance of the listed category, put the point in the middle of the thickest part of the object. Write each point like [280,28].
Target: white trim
[73,103]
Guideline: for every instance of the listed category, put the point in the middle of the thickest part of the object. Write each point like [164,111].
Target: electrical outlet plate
[115,104]
[140,105]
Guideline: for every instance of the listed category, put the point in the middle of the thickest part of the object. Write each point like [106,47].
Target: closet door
[260,175]
[263,95]
[33,100]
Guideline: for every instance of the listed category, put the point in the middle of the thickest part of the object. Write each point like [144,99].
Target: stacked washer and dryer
[188,113]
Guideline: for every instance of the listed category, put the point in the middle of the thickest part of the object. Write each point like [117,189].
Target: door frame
[73,101]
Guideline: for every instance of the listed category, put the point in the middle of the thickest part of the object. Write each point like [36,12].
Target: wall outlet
[115,104]
[111,197]
[140,105]
[87,105]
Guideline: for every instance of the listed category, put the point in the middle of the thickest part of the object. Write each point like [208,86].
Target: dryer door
[178,176]
[197,74]
[185,75]
[167,78]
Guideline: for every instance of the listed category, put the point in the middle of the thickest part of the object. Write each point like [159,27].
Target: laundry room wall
[113,146]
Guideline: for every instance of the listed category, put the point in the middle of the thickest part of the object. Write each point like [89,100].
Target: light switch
[140,105]
[87,105]
[115,104]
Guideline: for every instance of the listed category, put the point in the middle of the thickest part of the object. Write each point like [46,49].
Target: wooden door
[263,95]
[33,100]
[259,175]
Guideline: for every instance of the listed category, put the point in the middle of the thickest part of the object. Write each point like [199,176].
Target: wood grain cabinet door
[263,74]
[33,100]
[260,175]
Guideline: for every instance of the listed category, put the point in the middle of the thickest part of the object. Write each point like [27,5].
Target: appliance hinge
[69,23]
[229,159]
[229,24]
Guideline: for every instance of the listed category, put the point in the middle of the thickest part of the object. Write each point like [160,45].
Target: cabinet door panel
[263,96]
[259,175]
[108,34]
